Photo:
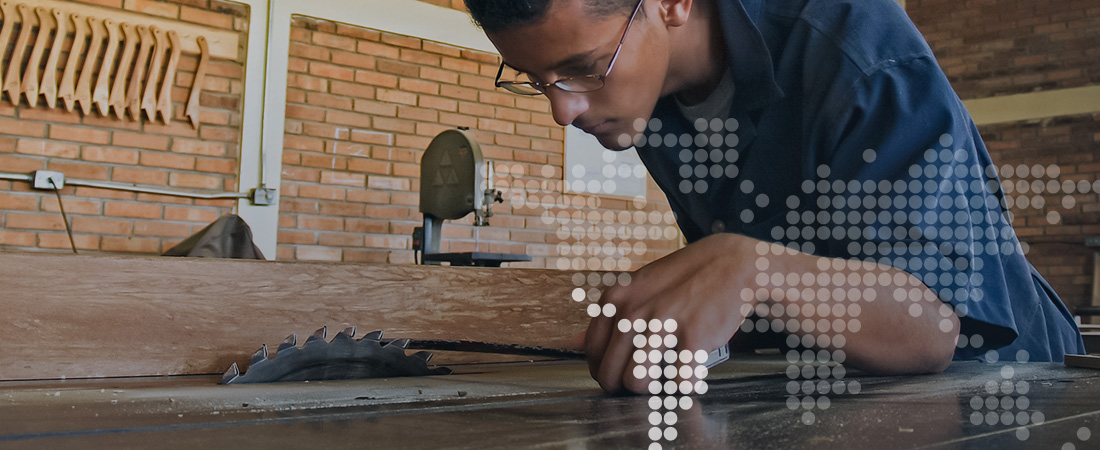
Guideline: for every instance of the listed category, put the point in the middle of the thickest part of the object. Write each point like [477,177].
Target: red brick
[351,89]
[21,164]
[47,148]
[136,140]
[334,41]
[162,229]
[221,166]
[441,49]
[348,149]
[185,214]
[377,49]
[438,104]
[321,192]
[401,41]
[324,162]
[398,68]
[375,108]
[343,178]
[22,127]
[79,169]
[317,253]
[133,210]
[157,8]
[16,238]
[198,147]
[73,205]
[61,241]
[100,225]
[341,240]
[419,57]
[375,79]
[167,160]
[330,71]
[194,180]
[354,60]
[321,223]
[347,118]
[443,76]
[16,201]
[397,125]
[372,137]
[139,176]
[390,183]
[130,245]
[109,155]
[79,134]
[329,101]
[372,166]
[368,196]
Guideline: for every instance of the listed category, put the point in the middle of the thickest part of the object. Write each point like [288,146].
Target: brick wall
[1000,47]
[94,147]
[362,107]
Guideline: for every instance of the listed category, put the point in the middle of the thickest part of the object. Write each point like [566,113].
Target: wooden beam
[79,316]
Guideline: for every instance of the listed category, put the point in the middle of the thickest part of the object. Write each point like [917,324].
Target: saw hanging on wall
[118,60]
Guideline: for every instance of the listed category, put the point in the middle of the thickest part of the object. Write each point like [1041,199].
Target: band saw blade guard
[451,188]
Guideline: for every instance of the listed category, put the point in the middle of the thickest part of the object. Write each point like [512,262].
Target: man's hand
[696,286]
[876,318]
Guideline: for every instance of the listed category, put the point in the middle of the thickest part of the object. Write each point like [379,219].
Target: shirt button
[718,227]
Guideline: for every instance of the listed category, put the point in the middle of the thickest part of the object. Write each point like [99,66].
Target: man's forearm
[880,319]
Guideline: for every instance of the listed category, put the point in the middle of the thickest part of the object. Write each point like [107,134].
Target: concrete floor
[557,405]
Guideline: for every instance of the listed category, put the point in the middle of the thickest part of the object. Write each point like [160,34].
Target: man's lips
[598,128]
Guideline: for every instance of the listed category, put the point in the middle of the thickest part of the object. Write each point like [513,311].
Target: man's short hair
[501,15]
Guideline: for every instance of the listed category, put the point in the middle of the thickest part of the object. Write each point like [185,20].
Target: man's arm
[883,320]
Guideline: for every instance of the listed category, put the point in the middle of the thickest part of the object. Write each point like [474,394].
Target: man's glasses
[585,83]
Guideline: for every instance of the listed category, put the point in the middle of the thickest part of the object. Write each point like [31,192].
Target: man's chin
[615,141]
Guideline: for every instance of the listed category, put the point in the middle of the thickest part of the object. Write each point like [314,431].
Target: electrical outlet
[263,196]
[43,178]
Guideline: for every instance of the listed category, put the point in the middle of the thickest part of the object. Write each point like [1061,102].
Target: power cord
[64,217]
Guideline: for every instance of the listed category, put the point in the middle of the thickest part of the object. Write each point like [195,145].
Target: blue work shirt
[845,140]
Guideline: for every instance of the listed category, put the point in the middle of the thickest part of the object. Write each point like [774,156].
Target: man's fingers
[595,342]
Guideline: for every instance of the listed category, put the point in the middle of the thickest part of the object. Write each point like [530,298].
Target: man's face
[569,41]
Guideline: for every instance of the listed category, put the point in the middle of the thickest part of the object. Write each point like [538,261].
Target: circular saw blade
[344,358]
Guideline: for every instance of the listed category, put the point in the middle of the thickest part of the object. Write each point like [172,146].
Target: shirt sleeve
[905,181]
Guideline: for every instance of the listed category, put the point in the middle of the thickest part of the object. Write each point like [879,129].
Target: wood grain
[5,35]
[49,76]
[30,76]
[164,102]
[125,66]
[84,86]
[11,80]
[98,316]
[149,101]
[101,96]
[192,110]
[67,91]
[133,93]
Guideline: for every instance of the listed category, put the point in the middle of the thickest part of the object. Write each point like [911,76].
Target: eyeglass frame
[541,88]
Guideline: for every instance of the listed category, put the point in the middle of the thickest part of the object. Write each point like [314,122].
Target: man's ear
[675,12]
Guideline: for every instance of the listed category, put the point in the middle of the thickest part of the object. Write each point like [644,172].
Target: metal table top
[753,402]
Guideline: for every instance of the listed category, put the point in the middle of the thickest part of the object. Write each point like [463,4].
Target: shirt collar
[751,61]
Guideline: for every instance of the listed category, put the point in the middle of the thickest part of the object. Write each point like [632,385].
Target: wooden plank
[224,44]
[76,316]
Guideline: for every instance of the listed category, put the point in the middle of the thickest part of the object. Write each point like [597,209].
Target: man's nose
[566,106]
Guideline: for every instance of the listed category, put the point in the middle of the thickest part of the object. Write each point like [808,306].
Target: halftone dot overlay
[937,222]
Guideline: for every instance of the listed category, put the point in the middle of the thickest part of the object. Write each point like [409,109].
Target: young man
[830,183]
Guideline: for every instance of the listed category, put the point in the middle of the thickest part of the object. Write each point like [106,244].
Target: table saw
[128,352]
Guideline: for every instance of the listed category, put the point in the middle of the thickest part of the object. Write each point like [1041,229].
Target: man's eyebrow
[571,60]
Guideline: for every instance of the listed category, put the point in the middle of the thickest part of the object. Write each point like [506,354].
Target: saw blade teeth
[290,341]
[399,343]
[232,374]
[373,336]
[349,331]
[320,334]
[423,356]
[260,355]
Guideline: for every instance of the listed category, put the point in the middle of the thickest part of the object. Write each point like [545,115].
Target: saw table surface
[557,405]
